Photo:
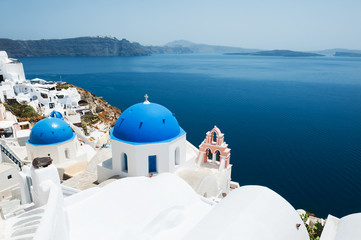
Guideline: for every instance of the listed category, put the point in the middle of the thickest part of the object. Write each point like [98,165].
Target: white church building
[53,137]
[147,140]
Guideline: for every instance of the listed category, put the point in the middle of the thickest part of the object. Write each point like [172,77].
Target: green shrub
[315,230]
[22,110]
[84,126]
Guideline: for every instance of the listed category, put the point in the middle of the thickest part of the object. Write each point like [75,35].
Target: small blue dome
[146,123]
[50,131]
[56,114]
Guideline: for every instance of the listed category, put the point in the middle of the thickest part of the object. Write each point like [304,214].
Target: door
[152,164]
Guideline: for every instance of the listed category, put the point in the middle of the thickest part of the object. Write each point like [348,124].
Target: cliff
[102,109]
[82,46]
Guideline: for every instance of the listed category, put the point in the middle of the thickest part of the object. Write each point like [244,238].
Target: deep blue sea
[293,124]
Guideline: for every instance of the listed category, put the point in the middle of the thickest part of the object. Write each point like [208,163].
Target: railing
[10,155]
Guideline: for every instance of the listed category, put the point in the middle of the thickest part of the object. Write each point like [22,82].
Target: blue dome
[50,131]
[56,114]
[146,123]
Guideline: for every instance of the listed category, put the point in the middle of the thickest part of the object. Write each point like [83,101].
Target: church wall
[181,144]
[137,156]
[56,151]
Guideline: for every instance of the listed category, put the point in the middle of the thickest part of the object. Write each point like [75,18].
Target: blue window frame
[125,162]
[152,163]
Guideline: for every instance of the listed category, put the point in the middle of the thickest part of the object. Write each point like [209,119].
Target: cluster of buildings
[42,95]
[150,184]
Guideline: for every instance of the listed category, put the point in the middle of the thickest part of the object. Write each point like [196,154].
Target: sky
[264,24]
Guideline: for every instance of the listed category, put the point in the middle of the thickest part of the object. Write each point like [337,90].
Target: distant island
[82,46]
[110,46]
[205,48]
[279,53]
[104,46]
[347,54]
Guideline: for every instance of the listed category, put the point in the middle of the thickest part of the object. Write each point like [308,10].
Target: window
[152,164]
[67,155]
[10,177]
[124,162]
[176,156]
[209,154]
[218,156]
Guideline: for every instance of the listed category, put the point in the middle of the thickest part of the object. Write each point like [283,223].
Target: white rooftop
[346,228]
[6,166]
[163,207]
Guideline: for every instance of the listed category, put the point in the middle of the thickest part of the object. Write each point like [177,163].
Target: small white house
[53,137]
[11,69]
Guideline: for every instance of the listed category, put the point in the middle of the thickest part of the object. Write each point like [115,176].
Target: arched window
[209,154]
[218,156]
[214,136]
[124,162]
[176,156]
[67,154]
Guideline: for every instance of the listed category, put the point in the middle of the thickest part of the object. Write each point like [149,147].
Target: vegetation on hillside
[23,112]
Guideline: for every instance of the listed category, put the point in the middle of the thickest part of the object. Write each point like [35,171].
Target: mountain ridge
[110,46]
[81,46]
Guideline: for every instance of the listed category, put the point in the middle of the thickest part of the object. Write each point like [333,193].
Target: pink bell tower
[214,150]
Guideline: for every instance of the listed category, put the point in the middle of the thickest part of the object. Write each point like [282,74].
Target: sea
[293,124]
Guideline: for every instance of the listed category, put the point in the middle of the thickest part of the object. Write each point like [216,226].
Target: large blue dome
[50,131]
[146,123]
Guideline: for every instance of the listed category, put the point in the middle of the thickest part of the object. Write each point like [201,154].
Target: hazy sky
[272,24]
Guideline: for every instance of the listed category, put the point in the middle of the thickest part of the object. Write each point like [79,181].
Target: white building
[53,137]
[44,97]
[11,129]
[11,71]
[9,180]
[146,140]
[38,93]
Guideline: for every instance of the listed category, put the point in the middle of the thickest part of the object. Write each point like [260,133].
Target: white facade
[44,97]
[11,69]
[59,152]
[168,156]
[345,228]
[9,180]
[69,157]
[11,72]
[38,93]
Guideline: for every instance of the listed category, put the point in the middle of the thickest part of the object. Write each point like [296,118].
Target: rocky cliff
[82,46]
[102,109]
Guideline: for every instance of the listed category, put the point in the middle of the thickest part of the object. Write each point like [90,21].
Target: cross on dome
[146,99]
